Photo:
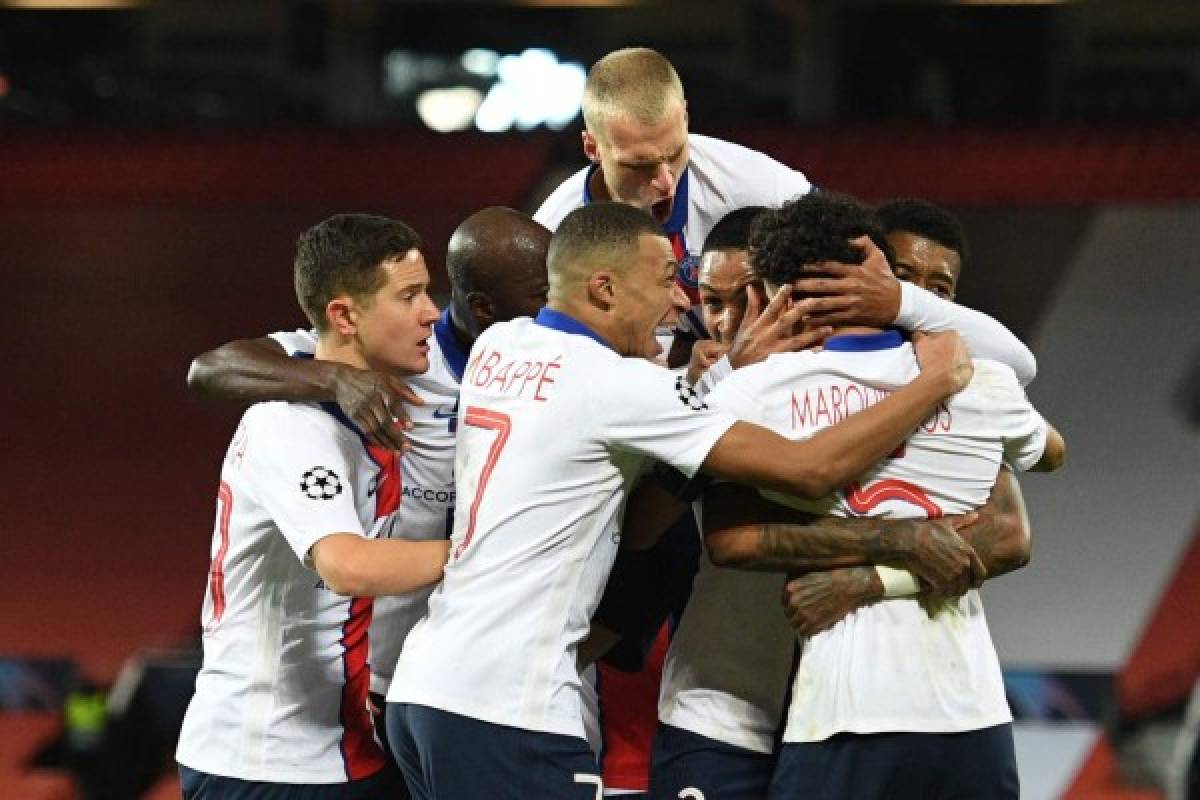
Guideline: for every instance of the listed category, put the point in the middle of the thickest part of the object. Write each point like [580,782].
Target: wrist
[328,378]
[869,586]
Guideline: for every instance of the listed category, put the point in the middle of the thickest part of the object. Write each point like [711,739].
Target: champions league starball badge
[687,395]
[321,483]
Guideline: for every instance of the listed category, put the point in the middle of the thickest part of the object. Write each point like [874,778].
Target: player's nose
[663,180]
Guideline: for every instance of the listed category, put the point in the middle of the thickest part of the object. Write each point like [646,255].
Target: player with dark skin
[496,260]
[782,540]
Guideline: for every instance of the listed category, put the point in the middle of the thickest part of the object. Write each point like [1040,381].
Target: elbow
[720,556]
[199,375]
[344,578]
[816,480]
[1054,456]
[731,547]
[1027,370]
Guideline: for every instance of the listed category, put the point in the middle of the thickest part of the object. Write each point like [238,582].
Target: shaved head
[496,261]
[636,83]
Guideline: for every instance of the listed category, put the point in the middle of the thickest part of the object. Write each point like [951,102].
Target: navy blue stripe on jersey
[865,342]
[679,208]
[456,359]
[557,320]
[335,411]
[587,184]
[678,219]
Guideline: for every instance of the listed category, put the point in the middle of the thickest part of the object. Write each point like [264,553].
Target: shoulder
[280,427]
[563,200]
[993,382]
[298,341]
[743,176]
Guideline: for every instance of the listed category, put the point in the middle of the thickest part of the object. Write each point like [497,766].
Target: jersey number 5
[501,424]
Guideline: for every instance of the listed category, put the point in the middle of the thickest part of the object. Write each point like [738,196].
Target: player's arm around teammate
[257,370]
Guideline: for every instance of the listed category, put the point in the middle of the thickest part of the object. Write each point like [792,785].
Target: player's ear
[591,149]
[482,309]
[601,291]
[342,313]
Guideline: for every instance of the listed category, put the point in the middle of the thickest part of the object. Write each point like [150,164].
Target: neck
[591,316]
[855,330]
[342,349]
[597,187]
[464,333]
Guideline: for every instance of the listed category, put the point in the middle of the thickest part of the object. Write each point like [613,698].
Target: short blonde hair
[635,82]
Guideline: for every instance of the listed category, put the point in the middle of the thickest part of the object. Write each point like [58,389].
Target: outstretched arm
[257,370]
[869,294]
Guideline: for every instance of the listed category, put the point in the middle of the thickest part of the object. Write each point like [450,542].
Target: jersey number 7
[488,420]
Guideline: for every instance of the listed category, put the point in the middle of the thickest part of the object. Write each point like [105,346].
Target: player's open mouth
[661,211]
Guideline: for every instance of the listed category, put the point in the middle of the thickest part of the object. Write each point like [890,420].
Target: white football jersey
[720,177]
[282,693]
[427,482]
[555,428]
[888,666]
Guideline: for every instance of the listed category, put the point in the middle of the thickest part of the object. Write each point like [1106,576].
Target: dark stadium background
[159,158]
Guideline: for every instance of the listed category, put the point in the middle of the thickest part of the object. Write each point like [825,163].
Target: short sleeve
[297,342]
[1022,429]
[730,396]
[650,410]
[302,478]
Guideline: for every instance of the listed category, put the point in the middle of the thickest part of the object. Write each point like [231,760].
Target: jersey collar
[557,320]
[333,409]
[678,218]
[453,355]
[864,342]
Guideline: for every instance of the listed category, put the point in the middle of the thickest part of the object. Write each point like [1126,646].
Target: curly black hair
[732,232]
[927,220]
[810,229]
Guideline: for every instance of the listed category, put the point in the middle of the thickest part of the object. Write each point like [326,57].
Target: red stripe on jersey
[629,718]
[864,500]
[388,481]
[361,753]
[216,576]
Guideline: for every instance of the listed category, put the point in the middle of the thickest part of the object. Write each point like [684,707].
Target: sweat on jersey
[720,177]
[887,666]
[426,479]
[555,429]
[282,692]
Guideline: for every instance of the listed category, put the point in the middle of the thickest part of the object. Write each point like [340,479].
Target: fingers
[964,520]
[869,248]
[816,306]
[404,392]
[806,340]
[978,570]
[834,269]
[755,300]
[376,425]
[847,285]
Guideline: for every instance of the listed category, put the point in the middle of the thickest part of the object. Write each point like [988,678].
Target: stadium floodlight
[448,110]
[480,61]
[532,89]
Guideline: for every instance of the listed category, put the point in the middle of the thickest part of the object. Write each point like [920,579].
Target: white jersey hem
[899,726]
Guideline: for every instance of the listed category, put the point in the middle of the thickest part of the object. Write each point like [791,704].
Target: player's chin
[416,364]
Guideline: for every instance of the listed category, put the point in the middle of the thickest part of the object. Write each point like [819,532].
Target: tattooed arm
[744,530]
[1000,536]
